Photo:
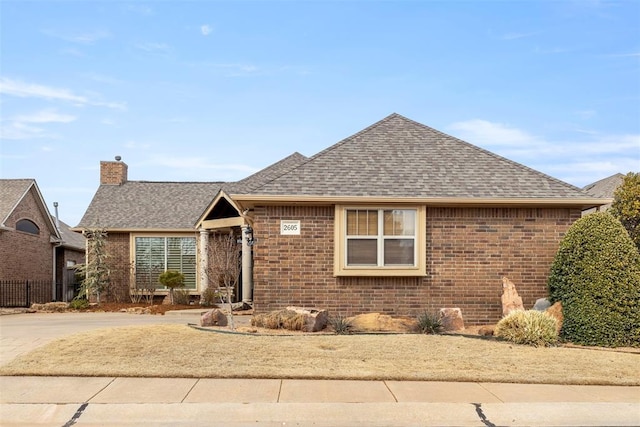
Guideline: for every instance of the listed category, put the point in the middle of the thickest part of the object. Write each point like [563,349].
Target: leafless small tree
[144,282]
[224,266]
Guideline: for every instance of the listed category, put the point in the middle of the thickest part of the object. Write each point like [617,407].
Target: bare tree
[224,267]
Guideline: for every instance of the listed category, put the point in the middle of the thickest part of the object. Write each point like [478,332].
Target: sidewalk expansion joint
[77,415]
[482,416]
[390,391]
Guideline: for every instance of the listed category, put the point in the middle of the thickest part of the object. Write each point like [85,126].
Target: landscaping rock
[556,311]
[376,322]
[51,307]
[213,317]
[511,301]
[486,330]
[541,304]
[451,319]
[136,310]
[315,320]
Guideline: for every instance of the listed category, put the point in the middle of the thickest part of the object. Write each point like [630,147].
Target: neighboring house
[32,247]
[605,188]
[398,218]
[69,255]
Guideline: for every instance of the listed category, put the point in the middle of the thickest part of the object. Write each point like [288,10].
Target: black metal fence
[23,293]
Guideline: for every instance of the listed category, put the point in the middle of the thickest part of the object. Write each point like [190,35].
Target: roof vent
[118,158]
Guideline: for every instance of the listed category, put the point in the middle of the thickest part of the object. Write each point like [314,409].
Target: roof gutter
[250,200]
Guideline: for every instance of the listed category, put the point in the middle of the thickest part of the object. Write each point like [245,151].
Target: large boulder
[314,320]
[556,311]
[511,301]
[541,304]
[213,317]
[293,319]
[376,322]
[451,319]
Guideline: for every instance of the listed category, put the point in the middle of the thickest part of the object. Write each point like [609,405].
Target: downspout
[55,258]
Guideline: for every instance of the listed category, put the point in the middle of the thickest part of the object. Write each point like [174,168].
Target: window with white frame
[154,255]
[379,241]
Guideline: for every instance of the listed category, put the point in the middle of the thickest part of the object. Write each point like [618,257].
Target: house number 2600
[290,227]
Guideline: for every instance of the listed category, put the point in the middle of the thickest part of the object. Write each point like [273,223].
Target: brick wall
[114,173]
[23,255]
[117,248]
[468,252]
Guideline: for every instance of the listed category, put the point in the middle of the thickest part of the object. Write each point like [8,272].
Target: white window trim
[340,267]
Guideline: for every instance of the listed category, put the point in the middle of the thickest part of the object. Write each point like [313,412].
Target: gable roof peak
[399,157]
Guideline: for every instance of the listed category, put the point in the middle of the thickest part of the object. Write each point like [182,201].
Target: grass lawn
[182,351]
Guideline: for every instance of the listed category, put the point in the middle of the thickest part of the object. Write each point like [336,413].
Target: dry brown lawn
[183,351]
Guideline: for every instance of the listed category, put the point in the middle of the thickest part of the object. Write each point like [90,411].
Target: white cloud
[580,160]
[28,90]
[484,132]
[152,47]
[205,30]
[586,114]
[87,38]
[44,116]
[20,130]
[31,90]
[140,9]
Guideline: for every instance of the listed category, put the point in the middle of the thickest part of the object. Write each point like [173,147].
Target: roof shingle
[398,157]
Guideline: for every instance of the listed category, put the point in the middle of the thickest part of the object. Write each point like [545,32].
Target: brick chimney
[113,173]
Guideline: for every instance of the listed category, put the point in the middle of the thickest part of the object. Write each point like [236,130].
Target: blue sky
[216,90]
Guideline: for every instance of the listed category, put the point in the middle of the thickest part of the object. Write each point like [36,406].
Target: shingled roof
[155,205]
[138,205]
[270,173]
[400,158]
[12,191]
[605,187]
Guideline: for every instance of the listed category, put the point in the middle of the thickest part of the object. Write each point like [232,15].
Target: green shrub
[171,279]
[340,325]
[530,327]
[596,276]
[429,323]
[79,304]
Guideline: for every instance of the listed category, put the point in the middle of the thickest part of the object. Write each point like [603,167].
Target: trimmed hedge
[596,276]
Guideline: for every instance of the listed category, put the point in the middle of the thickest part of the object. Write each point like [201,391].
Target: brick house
[32,246]
[398,218]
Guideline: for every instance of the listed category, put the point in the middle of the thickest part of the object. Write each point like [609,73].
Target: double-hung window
[154,255]
[380,241]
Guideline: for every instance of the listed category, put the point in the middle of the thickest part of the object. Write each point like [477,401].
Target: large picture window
[154,255]
[379,241]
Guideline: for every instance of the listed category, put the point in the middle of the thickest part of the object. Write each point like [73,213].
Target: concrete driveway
[106,401]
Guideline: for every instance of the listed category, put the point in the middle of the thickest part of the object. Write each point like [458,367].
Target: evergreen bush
[596,276]
[530,327]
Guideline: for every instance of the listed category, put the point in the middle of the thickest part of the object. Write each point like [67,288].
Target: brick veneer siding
[113,173]
[23,255]
[468,252]
[117,248]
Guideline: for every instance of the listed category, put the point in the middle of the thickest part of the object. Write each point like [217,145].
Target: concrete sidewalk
[63,401]
[108,401]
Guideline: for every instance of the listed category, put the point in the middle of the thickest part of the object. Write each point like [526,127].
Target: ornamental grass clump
[429,323]
[530,327]
[341,325]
